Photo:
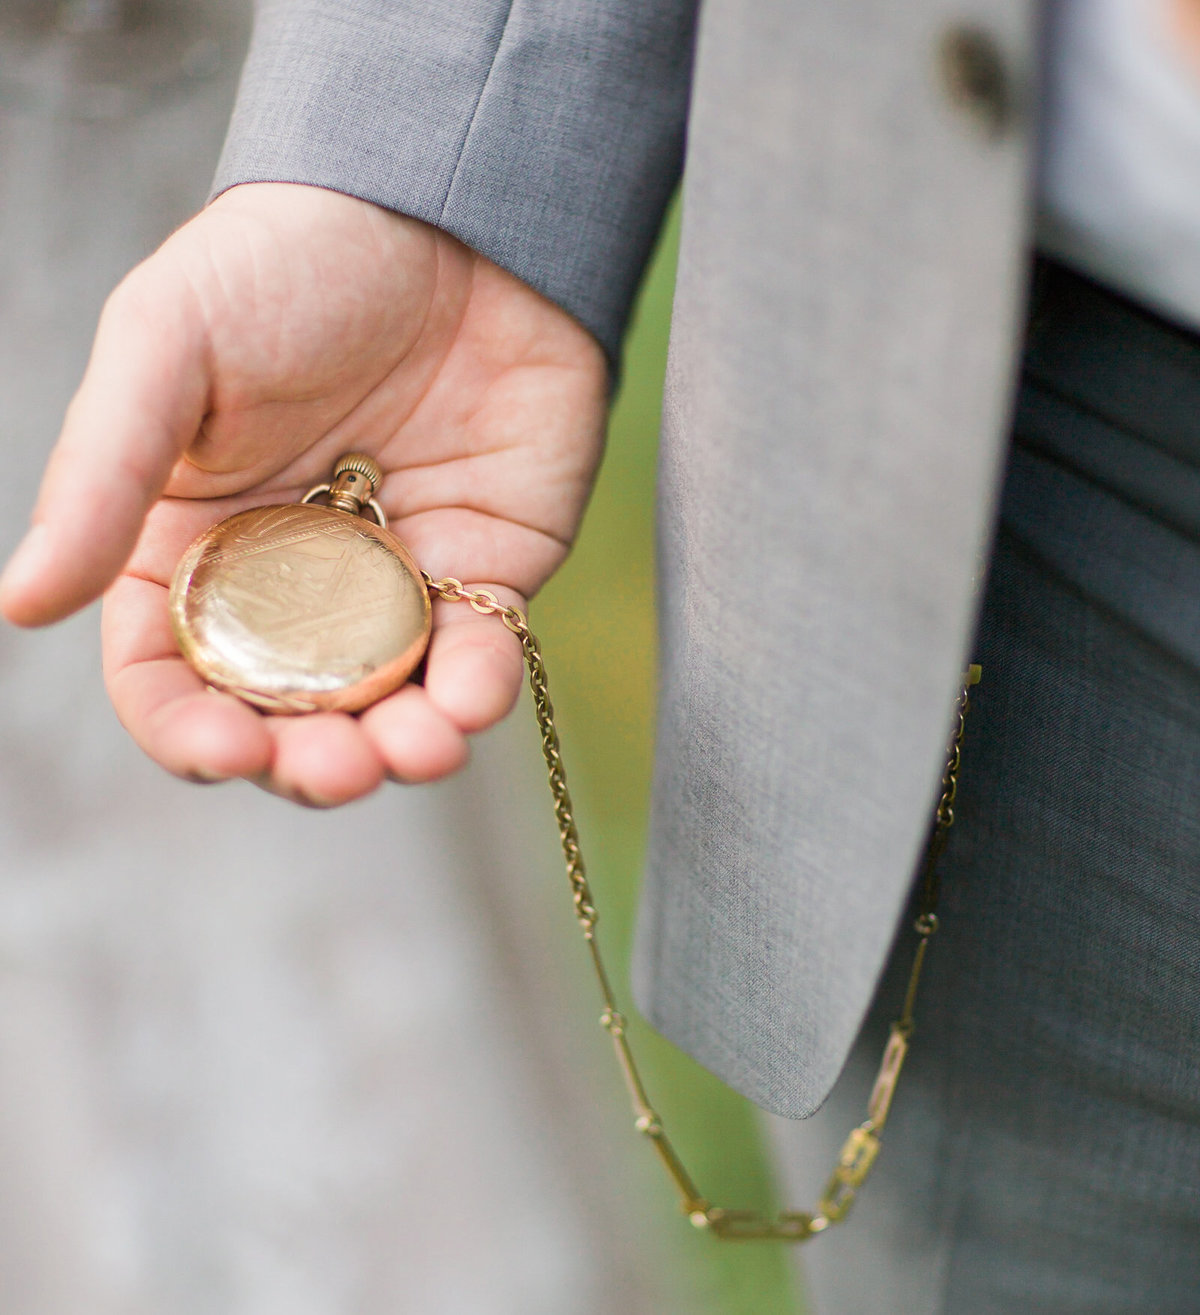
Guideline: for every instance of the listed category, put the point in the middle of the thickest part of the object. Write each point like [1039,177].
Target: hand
[281,327]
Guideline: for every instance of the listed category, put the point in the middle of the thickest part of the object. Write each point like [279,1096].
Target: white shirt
[1119,172]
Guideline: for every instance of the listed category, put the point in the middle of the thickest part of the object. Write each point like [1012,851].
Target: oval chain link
[861,1148]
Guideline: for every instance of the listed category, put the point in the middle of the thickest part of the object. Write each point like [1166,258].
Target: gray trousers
[1044,1149]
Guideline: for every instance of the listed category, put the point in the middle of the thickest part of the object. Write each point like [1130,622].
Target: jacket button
[974,78]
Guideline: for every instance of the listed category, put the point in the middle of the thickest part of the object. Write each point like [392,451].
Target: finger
[474,668]
[142,399]
[164,705]
[445,539]
[415,741]
[323,759]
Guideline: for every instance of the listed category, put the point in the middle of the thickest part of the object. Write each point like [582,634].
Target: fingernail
[311,800]
[27,562]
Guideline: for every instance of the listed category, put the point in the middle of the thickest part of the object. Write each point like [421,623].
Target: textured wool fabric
[850,286]
[1045,1141]
[846,316]
[546,135]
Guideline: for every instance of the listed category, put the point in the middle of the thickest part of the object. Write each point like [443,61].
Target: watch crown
[358,463]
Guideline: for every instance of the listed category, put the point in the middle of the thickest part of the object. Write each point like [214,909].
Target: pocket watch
[307,606]
[303,607]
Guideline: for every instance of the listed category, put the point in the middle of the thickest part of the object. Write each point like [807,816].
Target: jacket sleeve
[546,134]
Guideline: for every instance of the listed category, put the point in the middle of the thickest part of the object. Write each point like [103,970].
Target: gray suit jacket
[848,297]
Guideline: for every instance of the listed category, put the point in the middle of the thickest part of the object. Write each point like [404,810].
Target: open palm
[284,326]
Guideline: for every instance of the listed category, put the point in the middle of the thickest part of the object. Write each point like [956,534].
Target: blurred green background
[596,621]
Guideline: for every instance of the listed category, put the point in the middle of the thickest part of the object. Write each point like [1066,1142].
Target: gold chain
[862,1146]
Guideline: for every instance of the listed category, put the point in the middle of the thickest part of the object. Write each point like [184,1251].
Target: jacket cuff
[545,134]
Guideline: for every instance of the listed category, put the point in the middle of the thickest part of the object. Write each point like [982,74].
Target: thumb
[142,399]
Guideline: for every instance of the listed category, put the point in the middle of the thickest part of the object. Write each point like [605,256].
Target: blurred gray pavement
[240,1072]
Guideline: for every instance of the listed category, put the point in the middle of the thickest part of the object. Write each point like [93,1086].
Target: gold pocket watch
[304,607]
